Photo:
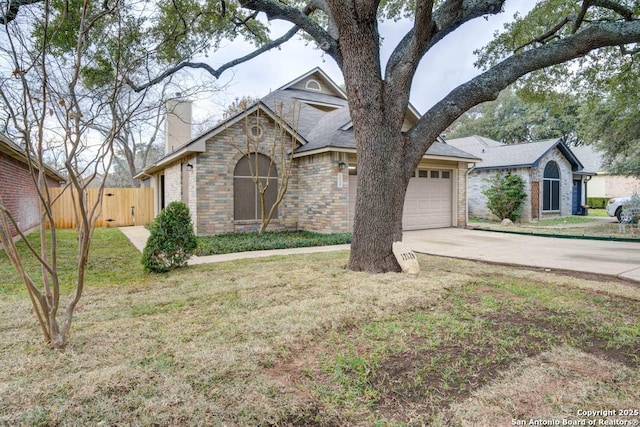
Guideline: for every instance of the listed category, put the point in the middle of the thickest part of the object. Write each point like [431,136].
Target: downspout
[466,193]
[586,180]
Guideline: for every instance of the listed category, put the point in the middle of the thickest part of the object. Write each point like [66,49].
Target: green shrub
[597,202]
[172,240]
[505,196]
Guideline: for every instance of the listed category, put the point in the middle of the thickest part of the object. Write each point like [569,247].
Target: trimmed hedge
[242,242]
[597,202]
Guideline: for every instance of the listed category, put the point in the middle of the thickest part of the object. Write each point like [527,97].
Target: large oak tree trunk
[382,174]
[379,204]
[377,117]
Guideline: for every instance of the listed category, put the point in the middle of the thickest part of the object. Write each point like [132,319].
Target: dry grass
[555,385]
[300,340]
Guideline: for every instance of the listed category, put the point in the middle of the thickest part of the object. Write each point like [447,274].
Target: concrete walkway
[619,259]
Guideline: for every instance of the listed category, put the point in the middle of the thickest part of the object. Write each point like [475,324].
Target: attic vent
[313,85]
[256,132]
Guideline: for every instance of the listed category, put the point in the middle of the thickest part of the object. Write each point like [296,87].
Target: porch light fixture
[342,165]
[189,166]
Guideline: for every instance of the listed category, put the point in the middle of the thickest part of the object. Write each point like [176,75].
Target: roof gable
[316,81]
[198,144]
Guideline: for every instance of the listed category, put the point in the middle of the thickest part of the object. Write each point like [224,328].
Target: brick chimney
[177,124]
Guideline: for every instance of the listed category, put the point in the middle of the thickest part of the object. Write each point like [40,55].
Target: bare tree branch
[583,11]
[551,34]
[215,72]
[625,12]
[279,10]
[12,9]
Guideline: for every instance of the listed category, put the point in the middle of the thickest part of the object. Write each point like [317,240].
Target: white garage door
[428,203]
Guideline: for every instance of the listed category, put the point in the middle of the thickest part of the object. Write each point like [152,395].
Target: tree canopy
[511,119]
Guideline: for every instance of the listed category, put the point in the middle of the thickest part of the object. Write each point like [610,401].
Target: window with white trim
[313,85]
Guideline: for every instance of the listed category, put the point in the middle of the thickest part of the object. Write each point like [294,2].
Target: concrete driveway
[621,259]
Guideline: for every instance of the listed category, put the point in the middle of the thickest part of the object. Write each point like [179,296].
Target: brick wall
[478,183]
[618,186]
[19,193]
[566,183]
[173,183]
[214,184]
[460,191]
[323,206]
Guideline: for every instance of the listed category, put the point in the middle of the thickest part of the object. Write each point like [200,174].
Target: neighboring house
[555,180]
[604,184]
[17,187]
[212,177]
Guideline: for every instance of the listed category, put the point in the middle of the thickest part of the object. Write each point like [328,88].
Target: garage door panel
[428,203]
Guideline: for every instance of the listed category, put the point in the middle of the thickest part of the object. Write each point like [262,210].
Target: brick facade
[19,193]
[566,183]
[318,194]
[618,186]
[324,203]
[213,183]
[460,195]
[478,182]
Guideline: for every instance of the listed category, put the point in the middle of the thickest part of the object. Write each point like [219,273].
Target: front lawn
[299,340]
[242,242]
[113,260]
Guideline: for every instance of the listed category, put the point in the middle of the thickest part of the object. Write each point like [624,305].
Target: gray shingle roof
[319,118]
[293,101]
[322,129]
[496,155]
[474,144]
[590,158]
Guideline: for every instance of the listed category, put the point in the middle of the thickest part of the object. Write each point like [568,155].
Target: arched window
[551,187]
[246,194]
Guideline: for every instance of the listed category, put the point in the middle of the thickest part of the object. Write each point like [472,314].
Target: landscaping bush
[597,202]
[241,242]
[172,240]
[505,196]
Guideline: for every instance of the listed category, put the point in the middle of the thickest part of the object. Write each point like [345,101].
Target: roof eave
[502,167]
[15,152]
[333,85]
[196,146]
[354,151]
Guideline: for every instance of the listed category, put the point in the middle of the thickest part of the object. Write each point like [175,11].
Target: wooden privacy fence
[120,206]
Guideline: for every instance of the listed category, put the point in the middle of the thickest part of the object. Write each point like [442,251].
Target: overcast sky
[447,65]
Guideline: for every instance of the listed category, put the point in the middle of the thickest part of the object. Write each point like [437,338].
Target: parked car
[614,207]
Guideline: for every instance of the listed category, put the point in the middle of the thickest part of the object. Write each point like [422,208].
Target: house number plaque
[406,258]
